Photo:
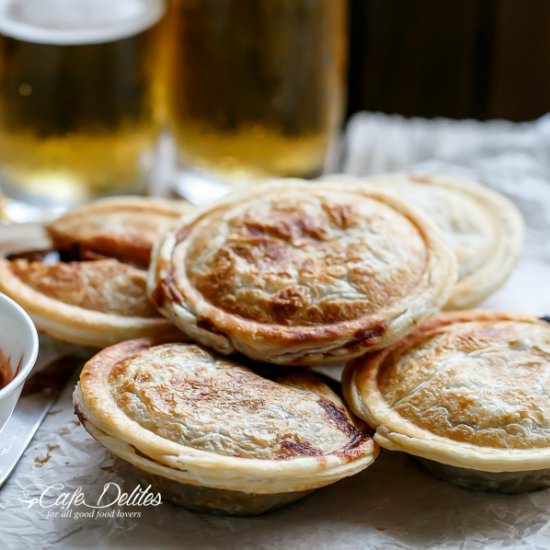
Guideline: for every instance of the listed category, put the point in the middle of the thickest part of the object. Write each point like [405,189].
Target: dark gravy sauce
[5,371]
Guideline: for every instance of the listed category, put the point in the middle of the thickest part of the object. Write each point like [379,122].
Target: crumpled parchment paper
[394,503]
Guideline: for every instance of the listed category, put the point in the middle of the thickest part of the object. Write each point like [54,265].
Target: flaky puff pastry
[123,227]
[468,389]
[179,412]
[102,301]
[94,303]
[301,273]
[483,228]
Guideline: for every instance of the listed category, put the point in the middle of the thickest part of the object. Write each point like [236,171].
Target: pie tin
[494,482]
[211,500]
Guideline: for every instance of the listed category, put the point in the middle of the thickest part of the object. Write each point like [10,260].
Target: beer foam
[77,22]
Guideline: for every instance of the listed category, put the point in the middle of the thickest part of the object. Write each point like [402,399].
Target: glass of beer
[77,96]
[255,88]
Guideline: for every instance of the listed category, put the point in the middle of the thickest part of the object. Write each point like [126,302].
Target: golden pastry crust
[216,423]
[88,303]
[300,273]
[101,301]
[469,389]
[483,228]
[124,227]
[108,286]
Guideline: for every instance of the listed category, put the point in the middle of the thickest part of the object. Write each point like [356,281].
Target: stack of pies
[89,288]
[216,408]
[289,273]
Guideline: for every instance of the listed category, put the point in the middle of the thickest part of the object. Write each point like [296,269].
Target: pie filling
[6,374]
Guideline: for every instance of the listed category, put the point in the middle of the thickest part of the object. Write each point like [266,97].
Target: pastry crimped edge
[169,207]
[501,213]
[393,432]
[145,449]
[74,324]
[318,345]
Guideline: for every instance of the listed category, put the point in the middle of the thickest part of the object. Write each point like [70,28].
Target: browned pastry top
[481,378]
[107,286]
[324,259]
[123,228]
[297,273]
[188,395]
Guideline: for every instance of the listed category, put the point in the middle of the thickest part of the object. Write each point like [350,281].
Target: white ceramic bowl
[19,343]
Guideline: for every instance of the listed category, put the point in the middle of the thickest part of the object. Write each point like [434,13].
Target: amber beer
[255,87]
[76,95]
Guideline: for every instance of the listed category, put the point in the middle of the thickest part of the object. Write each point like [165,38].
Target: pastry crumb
[41,460]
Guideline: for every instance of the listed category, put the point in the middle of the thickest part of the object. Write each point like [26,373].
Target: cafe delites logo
[111,501]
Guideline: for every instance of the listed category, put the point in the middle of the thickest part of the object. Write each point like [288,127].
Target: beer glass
[255,88]
[77,96]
